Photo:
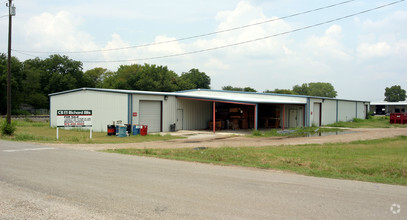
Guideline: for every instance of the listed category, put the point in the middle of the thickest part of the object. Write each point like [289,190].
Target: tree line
[319,89]
[33,79]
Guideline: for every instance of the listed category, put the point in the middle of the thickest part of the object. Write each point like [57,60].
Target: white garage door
[150,114]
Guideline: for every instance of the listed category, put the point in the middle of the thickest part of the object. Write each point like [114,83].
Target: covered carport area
[235,113]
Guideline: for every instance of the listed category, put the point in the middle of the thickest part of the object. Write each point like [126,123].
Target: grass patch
[372,122]
[294,132]
[41,132]
[382,161]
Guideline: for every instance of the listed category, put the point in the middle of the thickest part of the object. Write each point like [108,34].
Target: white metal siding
[347,110]
[106,107]
[361,110]
[299,122]
[197,114]
[150,114]
[169,112]
[242,95]
[328,112]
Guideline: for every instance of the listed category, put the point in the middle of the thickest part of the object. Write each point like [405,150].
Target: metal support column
[214,117]
[283,116]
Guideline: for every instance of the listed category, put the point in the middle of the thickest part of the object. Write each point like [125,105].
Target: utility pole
[11,12]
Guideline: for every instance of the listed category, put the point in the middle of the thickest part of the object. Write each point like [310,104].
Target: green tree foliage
[281,91]
[95,77]
[245,89]
[319,89]
[395,94]
[17,77]
[196,79]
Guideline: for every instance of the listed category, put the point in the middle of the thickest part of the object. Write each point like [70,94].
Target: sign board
[74,118]
[134,114]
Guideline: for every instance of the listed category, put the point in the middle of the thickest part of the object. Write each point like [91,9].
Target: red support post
[283,116]
[214,117]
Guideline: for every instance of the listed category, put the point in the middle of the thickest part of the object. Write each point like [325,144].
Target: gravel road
[208,139]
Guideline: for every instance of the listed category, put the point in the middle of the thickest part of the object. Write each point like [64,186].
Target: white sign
[74,118]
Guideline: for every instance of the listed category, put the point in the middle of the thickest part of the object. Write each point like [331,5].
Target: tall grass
[383,161]
[371,122]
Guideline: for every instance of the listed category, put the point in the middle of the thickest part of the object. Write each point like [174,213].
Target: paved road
[39,182]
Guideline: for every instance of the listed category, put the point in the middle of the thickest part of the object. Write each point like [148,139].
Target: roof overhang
[235,100]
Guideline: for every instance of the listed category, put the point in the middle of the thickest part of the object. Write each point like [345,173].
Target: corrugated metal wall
[196,114]
[294,116]
[328,112]
[105,106]
[242,95]
[168,104]
[337,110]
[346,110]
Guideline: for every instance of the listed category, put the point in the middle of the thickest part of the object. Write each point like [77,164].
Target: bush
[20,112]
[8,129]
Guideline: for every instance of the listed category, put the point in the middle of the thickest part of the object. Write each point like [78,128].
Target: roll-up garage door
[150,114]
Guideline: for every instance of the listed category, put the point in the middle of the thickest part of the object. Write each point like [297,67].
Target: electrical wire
[195,36]
[250,41]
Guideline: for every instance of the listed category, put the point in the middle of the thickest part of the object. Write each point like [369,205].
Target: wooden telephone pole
[11,13]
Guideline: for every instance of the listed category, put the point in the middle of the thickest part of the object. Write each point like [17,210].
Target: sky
[360,55]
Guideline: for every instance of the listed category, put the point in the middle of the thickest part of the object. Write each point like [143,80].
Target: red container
[398,118]
[143,130]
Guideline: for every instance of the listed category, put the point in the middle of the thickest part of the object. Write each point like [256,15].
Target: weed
[8,129]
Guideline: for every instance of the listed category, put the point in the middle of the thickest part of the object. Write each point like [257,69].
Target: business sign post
[74,119]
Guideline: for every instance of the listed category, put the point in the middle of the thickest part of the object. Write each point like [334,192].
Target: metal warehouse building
[203,109]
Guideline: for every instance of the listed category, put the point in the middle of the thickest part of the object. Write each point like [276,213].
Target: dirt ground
[222,139]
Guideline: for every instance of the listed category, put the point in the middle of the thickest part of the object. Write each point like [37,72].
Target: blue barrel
[136,129]
[122,131]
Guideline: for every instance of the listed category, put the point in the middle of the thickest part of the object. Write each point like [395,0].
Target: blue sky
[360,55]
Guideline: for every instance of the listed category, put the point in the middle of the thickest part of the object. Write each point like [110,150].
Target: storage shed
[385,108]
[205,109]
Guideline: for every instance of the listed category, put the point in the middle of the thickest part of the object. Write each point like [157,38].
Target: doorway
[180,119]
[317,115]
[292,118]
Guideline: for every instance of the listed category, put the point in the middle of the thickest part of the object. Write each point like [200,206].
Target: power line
[195,36]
[250,41]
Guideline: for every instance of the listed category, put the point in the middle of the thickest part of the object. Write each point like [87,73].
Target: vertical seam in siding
[308,107]
[337,111]
[356,110]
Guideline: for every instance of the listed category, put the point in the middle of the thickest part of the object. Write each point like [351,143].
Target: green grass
[294,132]
[372,122]
[382,161]
[41,132]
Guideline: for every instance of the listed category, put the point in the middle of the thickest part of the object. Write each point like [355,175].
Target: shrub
[8,129]
[20,112]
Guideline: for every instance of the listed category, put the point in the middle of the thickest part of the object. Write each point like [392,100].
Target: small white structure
[383,108]
[202,109]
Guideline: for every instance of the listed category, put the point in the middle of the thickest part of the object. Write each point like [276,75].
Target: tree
[395,94]
[16,83]
[196,79]
[280,91]
[245,89]
[94,77]
[319,89]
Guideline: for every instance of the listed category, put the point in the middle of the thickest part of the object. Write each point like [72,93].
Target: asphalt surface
[40,182]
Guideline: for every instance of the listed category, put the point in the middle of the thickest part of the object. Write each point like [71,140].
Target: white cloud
[216,64]
[328,46]
[57,32]
[380,49]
